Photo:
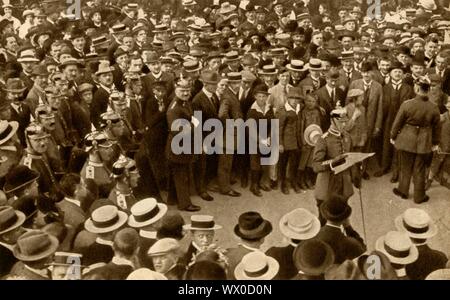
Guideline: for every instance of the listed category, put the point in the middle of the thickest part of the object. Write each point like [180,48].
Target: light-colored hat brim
[15,126]
[432,229]
[287,232]
[412,257]
[20,60]
[135,224]
[289,67]
[20,220]
[52,249]
[189,227]
[108,70]
[274,267]
[308,130]
[89,225]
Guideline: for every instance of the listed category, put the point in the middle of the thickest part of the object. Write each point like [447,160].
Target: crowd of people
[91,103]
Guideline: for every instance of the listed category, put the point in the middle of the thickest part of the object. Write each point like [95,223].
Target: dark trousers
[288,165]
[224,172]
[179,185]
[413,165]
[204,169]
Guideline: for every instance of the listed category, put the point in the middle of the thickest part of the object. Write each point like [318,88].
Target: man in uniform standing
[415,134]
[179,164]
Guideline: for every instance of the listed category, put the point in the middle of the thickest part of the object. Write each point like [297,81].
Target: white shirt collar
[256,107]
[196,246]
[122,261]
[43,273]
[248,247]
[400,272]
[158,75]
[101,241]
[208,94]
[336,226]
[288,107]
[74,201]
[93,267]
[330,89]
[147,234]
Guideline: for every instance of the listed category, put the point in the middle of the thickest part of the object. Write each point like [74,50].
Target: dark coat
[284,256]
[118,78]
[235,256]
[429,260]
[19,271]
[290,135]
[115,272]
[177,272]
[417,126]
[208,107]
[345,246]
[343,82]
[308,82]
[328,104]
[7,260]
[149,79]
[99,105]
[23,118]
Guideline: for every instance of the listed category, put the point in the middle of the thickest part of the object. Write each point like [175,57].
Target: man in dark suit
[252,230]
[289,227]
[70,206]
[125,246]
[36,95]
[382,74]
[101,96]
[394,94]
[153,63]
[313,79]
[180,163]
[329,95]
[347,74]
[442,69]
[207,103]
[20,112]
[415,134]
[338,233]
[429,260]
[120,68]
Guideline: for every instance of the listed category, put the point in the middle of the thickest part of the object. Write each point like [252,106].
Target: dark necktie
[333,96]
[215,102]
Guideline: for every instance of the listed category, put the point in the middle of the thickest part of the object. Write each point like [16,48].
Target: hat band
[297,68]
[299,229]
[147,216]
[415,229]
[41,247]
[315,66]
[396,253]
[6,132]
[193,68]
[8,223]
[106,224]
[258,229]
[257,273]
[205,225]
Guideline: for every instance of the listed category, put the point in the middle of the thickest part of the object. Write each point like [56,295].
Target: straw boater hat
[416,223]
[398,247]
[346,55]
[202,222]
[268,70]
[256,266]
[296,66]
[35,245]
[7,130]
[146,212]
[299,224]
[312,134]
[314,64]
[226,8]
[231,56]
[192,66]
[145,274]
[105,219]
[10,219]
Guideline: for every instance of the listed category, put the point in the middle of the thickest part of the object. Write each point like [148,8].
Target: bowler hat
[19,177]
[335,209]
[171,226]
[366,66]
[313,257]
[35,245]
[206,270]
[119,52]
[252,226]
[396,65]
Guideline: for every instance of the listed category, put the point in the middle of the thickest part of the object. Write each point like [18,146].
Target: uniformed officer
[415,134]
[330,147]
[45,117]
[179,164]
[36,158]
[114,128]
[100,151]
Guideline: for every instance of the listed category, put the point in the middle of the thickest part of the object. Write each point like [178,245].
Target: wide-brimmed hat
[427,4]
[18,177]
[15,85]
[398,247]
[256,266]
[335,209]
[252,226]
[312,134]
[441,274]
[299,224]
[209,77]
[202,222]
[145,212]
[268,70]
[346,55]
[416,223]
[231,56]
[314,64]
[40,70]
[10,219]
[35,245]
[105,219]
[192,66]
[226,8]
[296,65]
[70,61]
[234,77]
[313,257]
[7,130]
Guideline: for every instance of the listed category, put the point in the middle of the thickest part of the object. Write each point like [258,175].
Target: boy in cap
[165,254]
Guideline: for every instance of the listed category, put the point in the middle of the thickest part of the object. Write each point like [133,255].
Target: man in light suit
[373,102]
